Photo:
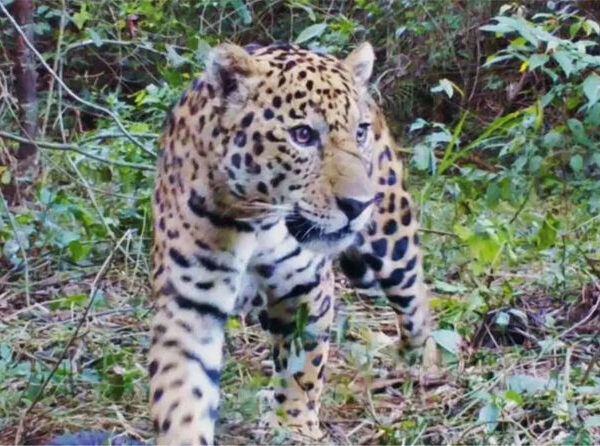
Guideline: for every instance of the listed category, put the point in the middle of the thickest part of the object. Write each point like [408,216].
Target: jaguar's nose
[351,207]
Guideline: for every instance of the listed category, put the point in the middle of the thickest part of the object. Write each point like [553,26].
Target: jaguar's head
[297,128]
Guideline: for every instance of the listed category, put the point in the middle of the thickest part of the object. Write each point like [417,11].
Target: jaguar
[275,163]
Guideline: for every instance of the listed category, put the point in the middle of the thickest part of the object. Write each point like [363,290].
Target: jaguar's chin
[316,238]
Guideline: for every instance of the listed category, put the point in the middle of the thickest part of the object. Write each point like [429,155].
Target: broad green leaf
[593,421]
[502,319]
[565,61]
[537,60]
[81,17]
[511,395]
[576,163]
[94,36]
[174,59]
[243,11]
[447,339]
[311,32]
[529,384]
[79,250]
[591,88]
[444,85]
[489,414]
[422,156]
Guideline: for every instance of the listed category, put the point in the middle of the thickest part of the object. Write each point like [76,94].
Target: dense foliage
[498,107]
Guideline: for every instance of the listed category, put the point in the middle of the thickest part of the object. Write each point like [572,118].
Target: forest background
[497,107]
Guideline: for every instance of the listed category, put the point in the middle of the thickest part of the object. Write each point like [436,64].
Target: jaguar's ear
[360,61]
[230,67]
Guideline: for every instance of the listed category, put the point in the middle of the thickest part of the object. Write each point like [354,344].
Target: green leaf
[81,17]
[444,85]
[591,88]
[537,60]
[174,59]
[447,339]
[529,384]
[243,11]
[78,250]
[311,32]
[576,163]
[565,61]
[593,421]
[492,194]
[488,415]
[94,36]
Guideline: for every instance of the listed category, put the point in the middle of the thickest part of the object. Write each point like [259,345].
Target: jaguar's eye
[304,135]
[362,133]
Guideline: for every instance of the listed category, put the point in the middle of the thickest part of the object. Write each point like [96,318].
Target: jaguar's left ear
[231,68]
[360,61]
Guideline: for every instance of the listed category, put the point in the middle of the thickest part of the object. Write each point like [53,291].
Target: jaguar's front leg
[196,290]
[299,317]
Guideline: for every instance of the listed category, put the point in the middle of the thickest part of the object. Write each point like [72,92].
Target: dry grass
[373,395]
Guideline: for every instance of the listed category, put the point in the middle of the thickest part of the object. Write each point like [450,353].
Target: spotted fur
[273,162]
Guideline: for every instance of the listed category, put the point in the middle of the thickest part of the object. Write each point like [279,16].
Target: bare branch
[76,148]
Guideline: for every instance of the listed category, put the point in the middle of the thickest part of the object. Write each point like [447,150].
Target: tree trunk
[26,77]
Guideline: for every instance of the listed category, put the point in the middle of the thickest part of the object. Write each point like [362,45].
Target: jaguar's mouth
[315,237]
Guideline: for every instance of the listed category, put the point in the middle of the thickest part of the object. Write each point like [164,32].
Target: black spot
[257,301]
[211,265]
[394,279]
[280,398]
[201,308]
[403,301]
[178,258]
[317,360]
[294,253]
[379,247]
[197,392]
[410,282]
[400,248]
[236,160]
[265,270]
[204,285]
[411,264]
[239,139]
[203,440]
[153,368]
[373,261]
[310,405]
[403,203]
[247,120]
[187,419]
[262,188]
[390,227]
[353,265]
[391,178]
[406,218]
[268,114]
[276,102]
[171,343]
[213,374]
[158,393]
[293,412]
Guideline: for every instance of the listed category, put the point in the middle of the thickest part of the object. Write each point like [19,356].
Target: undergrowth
[499,108]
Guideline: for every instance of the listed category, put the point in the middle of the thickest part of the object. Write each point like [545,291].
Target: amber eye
[362,133]
[304,135]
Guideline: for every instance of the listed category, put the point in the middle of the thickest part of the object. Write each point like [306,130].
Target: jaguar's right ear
[231,68]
